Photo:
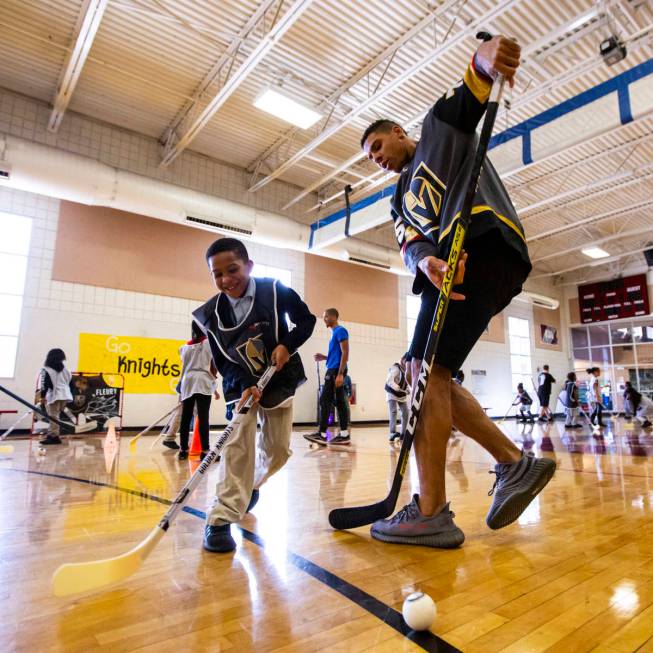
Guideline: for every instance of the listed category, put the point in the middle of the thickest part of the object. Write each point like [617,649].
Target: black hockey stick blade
[345,518]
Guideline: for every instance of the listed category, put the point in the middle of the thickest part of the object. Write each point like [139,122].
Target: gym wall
[56,311]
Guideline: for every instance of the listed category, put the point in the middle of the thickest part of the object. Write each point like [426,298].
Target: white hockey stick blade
[73,578]
[85,428]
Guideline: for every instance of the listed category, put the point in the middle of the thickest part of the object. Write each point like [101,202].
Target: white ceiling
[155,66]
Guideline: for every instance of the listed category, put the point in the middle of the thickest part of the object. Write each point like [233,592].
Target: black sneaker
[171,444]
[51,439]
[183,454]
[217,539]
[253,500]
[316,437]
[394,436]
[340,439]
[203,455]
[646,424]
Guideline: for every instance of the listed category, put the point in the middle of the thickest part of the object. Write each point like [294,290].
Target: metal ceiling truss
[449,40]
[563,36]
[253,42]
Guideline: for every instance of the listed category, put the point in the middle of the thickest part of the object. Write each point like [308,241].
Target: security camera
[612,50]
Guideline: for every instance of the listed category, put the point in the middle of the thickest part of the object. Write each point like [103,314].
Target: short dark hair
[227,245]
[332,311]
[382,125]
[546,367]
[571,376]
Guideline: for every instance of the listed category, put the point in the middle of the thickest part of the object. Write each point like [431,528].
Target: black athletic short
[543,397]
[494,274]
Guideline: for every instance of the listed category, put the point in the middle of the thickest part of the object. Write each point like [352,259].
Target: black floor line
[426,640]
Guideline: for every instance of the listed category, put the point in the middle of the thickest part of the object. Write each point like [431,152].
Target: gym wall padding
[104,247]
[360,294]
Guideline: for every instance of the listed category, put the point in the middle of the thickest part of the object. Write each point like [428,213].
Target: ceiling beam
[639,232]
[565,228]
[453,40]
[591,263]
[87,26]
[293,14]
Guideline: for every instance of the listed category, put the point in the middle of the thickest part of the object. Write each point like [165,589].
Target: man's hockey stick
[84,576]
[71,428]
[342,518]
[133,442]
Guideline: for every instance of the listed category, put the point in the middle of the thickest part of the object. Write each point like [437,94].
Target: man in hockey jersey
[247,331]
[434,173]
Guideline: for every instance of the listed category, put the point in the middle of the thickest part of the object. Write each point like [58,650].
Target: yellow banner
[149,365]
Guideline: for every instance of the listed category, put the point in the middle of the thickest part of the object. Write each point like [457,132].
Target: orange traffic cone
[196,445]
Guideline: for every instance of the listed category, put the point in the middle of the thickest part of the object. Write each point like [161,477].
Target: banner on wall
[148,365]
[549,334]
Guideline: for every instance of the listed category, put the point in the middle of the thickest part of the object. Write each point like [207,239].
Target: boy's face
[230,273]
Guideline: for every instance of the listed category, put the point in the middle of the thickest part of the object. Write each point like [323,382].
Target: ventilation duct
[210,225]
[46,170]
[537,300]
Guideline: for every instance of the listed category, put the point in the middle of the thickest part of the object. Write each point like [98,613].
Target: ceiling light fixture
[595,252]
[285,108]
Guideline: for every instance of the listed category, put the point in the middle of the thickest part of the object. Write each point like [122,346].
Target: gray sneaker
[409,526]
[515,486]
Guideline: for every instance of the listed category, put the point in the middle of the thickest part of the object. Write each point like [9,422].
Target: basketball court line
[388,615]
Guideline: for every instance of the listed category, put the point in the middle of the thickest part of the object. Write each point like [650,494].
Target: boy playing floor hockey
[247,331]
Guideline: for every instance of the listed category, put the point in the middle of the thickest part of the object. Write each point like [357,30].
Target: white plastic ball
[419,611]
[41,451]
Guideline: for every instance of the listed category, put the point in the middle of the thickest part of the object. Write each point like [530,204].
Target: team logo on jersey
[252,351]
[423,200]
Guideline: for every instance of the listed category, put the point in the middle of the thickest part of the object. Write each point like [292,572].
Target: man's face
[388,149]
[329,319]
[230,273]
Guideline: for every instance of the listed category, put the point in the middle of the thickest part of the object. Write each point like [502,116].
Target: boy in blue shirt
[333,389]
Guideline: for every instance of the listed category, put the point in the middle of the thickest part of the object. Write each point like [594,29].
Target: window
[285,276]
[412,311]
[14,248]
[520,351]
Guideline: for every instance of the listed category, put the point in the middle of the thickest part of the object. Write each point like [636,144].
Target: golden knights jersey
[431,188]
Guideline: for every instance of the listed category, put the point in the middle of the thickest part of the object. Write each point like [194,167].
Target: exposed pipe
[46,170]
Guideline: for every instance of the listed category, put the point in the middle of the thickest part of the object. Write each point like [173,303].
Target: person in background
[629,411]
[196,385]
[544,383]
[594,396]
[396,394]
[642,407]
[54,386]
[571,404]
[333,389]
[524,401]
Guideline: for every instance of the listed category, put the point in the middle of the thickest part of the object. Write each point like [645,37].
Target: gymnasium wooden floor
[574,574]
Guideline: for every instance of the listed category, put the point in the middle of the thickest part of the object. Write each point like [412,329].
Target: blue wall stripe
[619,83]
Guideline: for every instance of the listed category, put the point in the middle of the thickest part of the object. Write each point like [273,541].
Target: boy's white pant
[246,464]
[644,412]
[571,416]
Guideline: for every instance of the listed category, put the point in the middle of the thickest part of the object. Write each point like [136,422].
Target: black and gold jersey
[429,194]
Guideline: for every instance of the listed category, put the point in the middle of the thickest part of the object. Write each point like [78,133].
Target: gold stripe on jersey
[483,209]
[479,86]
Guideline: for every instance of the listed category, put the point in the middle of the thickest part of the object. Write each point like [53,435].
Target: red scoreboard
[612,300]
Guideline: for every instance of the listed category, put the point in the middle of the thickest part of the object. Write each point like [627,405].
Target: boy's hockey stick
[342,518]
[84,576]
[71,428]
